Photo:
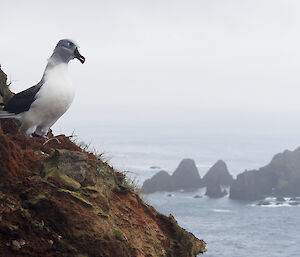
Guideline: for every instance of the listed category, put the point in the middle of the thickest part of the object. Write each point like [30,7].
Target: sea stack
[280,178]
[218,174]
[214,191]
[186,177]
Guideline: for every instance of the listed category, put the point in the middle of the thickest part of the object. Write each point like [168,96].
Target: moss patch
[67,181]
[77,196]
[119,234]
[1,195]
[36,199]
[101,213]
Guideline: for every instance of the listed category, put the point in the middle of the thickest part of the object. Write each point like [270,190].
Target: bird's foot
[37,135]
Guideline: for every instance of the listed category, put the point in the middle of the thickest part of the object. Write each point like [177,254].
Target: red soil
[53,221]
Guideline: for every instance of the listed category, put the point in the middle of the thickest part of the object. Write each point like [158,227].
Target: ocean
[233,228]
[230,228]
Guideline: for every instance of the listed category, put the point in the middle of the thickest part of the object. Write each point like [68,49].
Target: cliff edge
[58,200]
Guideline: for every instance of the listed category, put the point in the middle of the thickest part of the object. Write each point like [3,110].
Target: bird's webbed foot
[37,135]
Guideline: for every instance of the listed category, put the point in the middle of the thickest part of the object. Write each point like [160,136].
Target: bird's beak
[78,56]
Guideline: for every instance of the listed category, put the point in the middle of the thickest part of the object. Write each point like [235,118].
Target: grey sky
[208,64]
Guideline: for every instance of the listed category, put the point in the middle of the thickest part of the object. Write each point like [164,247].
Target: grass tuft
[87,147]
[125,183]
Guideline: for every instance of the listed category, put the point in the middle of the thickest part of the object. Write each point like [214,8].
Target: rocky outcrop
[186,176]
[161,181]
[58,200]
[218,174]
[5,93]
[214,190]
[281,177]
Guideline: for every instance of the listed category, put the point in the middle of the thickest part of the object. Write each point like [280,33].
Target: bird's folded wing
[22,101]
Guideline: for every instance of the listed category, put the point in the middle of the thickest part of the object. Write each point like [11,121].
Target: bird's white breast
[56,94]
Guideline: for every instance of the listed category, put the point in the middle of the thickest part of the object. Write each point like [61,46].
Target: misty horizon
[160,70]
[216,66]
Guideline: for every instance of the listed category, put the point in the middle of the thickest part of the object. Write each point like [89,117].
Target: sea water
[230,228]
[233,228]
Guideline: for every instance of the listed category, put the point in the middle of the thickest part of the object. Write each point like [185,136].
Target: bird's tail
[5,115]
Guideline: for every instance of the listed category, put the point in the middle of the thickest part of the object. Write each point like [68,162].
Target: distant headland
[280,178]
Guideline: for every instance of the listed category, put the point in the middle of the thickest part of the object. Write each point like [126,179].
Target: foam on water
[221,210]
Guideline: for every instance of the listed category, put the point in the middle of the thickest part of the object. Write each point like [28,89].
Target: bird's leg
[35,134]
[27,131]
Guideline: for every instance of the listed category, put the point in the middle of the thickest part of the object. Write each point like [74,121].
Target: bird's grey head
[66,50]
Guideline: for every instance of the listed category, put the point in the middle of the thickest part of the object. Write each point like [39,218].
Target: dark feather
[22,101]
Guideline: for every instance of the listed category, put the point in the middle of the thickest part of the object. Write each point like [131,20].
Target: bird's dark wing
[22,101]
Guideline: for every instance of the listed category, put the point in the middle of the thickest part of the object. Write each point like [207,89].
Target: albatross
[39,107]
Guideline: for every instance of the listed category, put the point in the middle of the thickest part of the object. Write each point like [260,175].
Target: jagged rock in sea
[198,196]
[186,176]
[294,203]
[161,181]
[58,200]
[281,177]
[264,203]
[218,174]
[214,190]
[155,167]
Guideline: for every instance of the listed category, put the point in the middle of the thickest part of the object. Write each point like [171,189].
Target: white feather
[52,101]
[5,114]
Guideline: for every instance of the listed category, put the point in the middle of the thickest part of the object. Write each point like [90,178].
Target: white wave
[275,205]
[221,210]
[286,204]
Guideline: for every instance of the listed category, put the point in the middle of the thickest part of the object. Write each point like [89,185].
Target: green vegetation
[77,196]
[91,189]
[38,224]
[51,164]
[36,199]
[100,213]
[86,147]
[1,195]
[169,251]
[68,181]
[82,255]
[124,183]
[119,234]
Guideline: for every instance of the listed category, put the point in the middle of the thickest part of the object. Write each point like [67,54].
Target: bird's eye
[70,44]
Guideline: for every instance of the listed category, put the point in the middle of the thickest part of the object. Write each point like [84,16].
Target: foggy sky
[211,65]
